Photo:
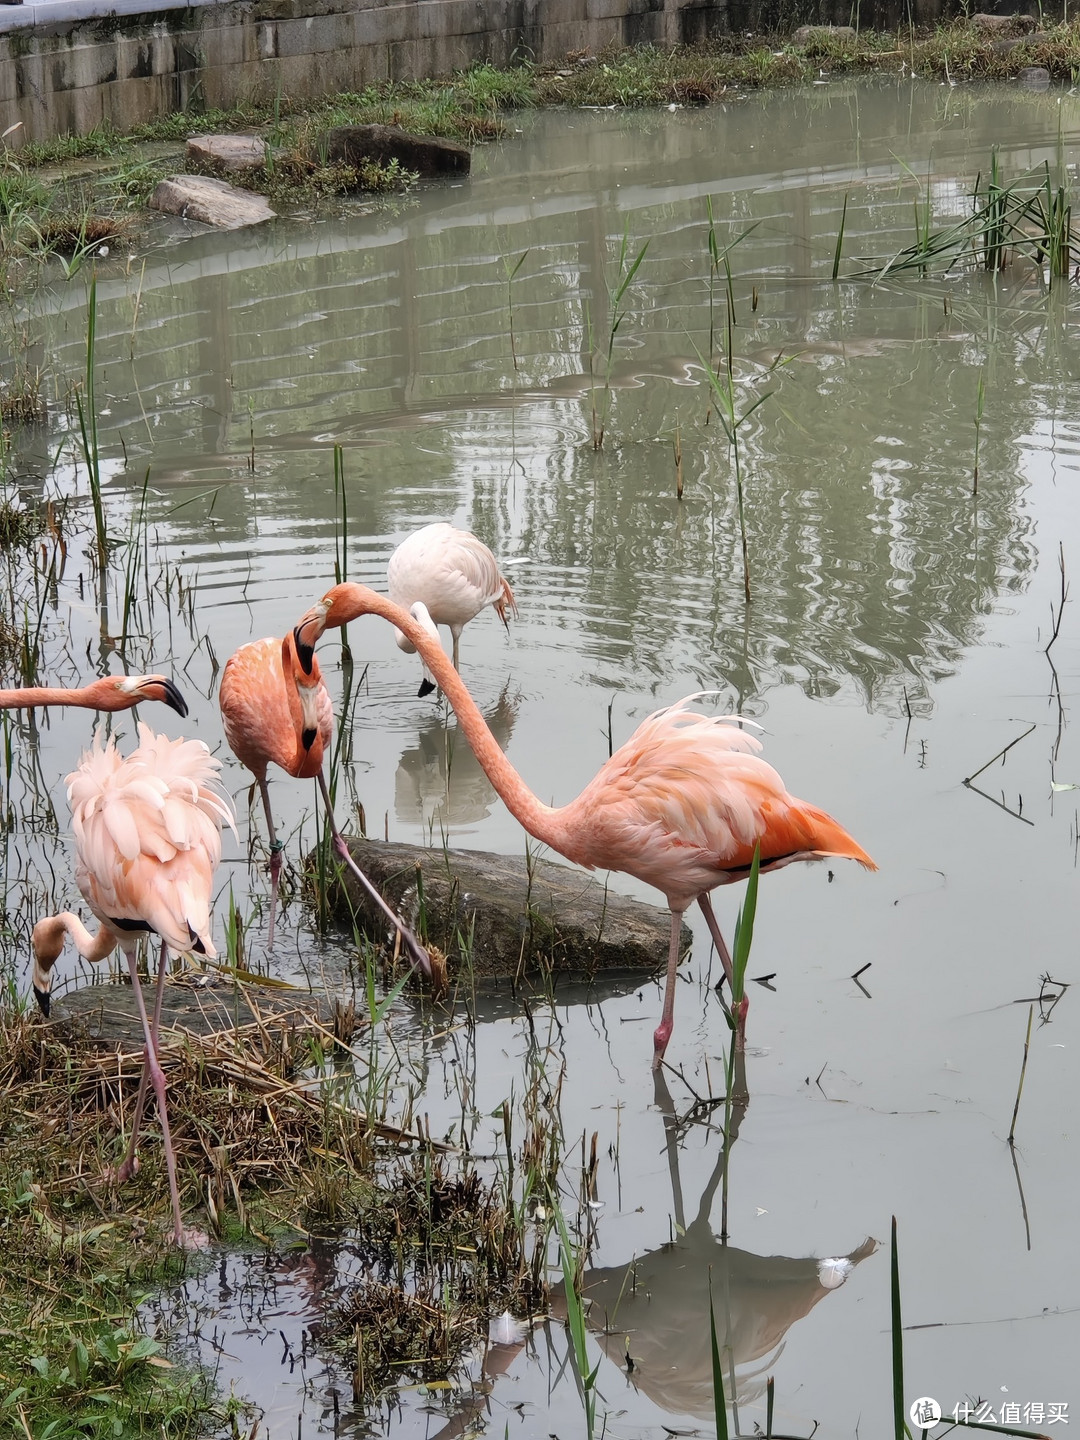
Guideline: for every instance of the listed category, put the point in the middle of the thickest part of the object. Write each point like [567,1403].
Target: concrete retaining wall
[69,65]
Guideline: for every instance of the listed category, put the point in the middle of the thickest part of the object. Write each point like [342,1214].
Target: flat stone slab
[107,1014]
[999,24]
[426,154]
[213,202]
[233,154]
[494,915]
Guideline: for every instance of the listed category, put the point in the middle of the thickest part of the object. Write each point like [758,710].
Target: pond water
[895,641]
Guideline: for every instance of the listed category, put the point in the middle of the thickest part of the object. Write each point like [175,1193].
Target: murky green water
[894,643]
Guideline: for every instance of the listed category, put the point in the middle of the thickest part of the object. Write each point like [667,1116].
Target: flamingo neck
[31,696]
[542,821]
[48,938]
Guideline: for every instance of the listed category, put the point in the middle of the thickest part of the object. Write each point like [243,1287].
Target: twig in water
[999,756]
[1023,1072]
[1061,602]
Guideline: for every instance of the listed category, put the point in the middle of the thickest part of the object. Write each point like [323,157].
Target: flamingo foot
[122,1173]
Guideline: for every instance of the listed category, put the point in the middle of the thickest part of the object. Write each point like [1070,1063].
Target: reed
[617,311]
[511,275]
[86,407]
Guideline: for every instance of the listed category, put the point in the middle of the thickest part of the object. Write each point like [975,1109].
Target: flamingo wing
[148,836]
[686,801]
[451,572]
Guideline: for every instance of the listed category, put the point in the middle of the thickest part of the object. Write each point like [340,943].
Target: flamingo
[147,842]
[112,692]
[683,804]
[275,711]
[451,576]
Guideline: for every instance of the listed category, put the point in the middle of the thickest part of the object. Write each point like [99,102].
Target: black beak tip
[44,1000]
[308,738]
[426,687]
[175,700]
[305,652]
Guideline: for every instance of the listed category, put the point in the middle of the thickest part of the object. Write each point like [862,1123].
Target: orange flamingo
[113,692]
[683,805]
[276,711]
[147,842]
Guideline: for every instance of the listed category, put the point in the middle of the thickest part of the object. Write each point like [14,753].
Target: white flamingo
[446,576]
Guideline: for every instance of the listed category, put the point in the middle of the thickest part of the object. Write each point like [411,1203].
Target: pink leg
[130,1164]
[662,1033]
[419,955]
[738,1007]
[276,848]
[718,939]
[157,1080]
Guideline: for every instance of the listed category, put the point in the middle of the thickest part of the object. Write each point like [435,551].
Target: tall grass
[86,407]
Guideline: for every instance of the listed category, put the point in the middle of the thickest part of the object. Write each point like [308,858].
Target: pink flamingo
[451,576]
[276,712]
[113,692]
[147,842]
[683,805]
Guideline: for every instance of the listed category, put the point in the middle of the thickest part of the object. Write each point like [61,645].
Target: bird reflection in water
[439,780]
[659,1303]
[651,1316]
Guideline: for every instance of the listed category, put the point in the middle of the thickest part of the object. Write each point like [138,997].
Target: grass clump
[445,1253]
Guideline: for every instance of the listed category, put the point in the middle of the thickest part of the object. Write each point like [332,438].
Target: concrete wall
[69,65]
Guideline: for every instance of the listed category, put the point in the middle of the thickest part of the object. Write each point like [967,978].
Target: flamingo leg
[662,1033]
[130,1164]
[456,633]
[157,1080]
[418,954]
[738,1007]
[276,848]
[718,939]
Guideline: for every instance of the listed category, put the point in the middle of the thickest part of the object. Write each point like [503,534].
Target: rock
[426,154]
[230,154]
[214,202]
[1034,77]
[489,914]
[807,33]
[1006,47]
[107,1014]
[999,24]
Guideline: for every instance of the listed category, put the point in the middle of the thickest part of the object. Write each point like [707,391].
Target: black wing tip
[44,1000]
[196,944]
[426,687]
[308,738]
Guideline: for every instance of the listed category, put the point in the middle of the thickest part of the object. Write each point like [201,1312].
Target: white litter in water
[505,1330]
[832,1273]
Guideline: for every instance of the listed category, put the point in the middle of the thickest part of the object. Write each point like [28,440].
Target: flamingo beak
[426,687]
[173,698]
[309,714]
[305,649]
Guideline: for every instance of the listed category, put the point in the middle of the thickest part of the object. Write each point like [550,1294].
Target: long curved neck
[48,938]
[542,821]
[34,695]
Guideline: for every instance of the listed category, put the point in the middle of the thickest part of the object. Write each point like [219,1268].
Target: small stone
[231,154]
[806,33]
[426,154]
[1034,77]
[213,202]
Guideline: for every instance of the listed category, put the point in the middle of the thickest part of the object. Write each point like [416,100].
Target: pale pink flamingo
[451,576]
[683,805]
[276,712]
[113,692]
[147,842]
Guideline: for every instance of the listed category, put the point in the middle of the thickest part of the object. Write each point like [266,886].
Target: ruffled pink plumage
[148,835]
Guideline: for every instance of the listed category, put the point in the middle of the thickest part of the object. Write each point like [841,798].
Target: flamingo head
[120,692]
